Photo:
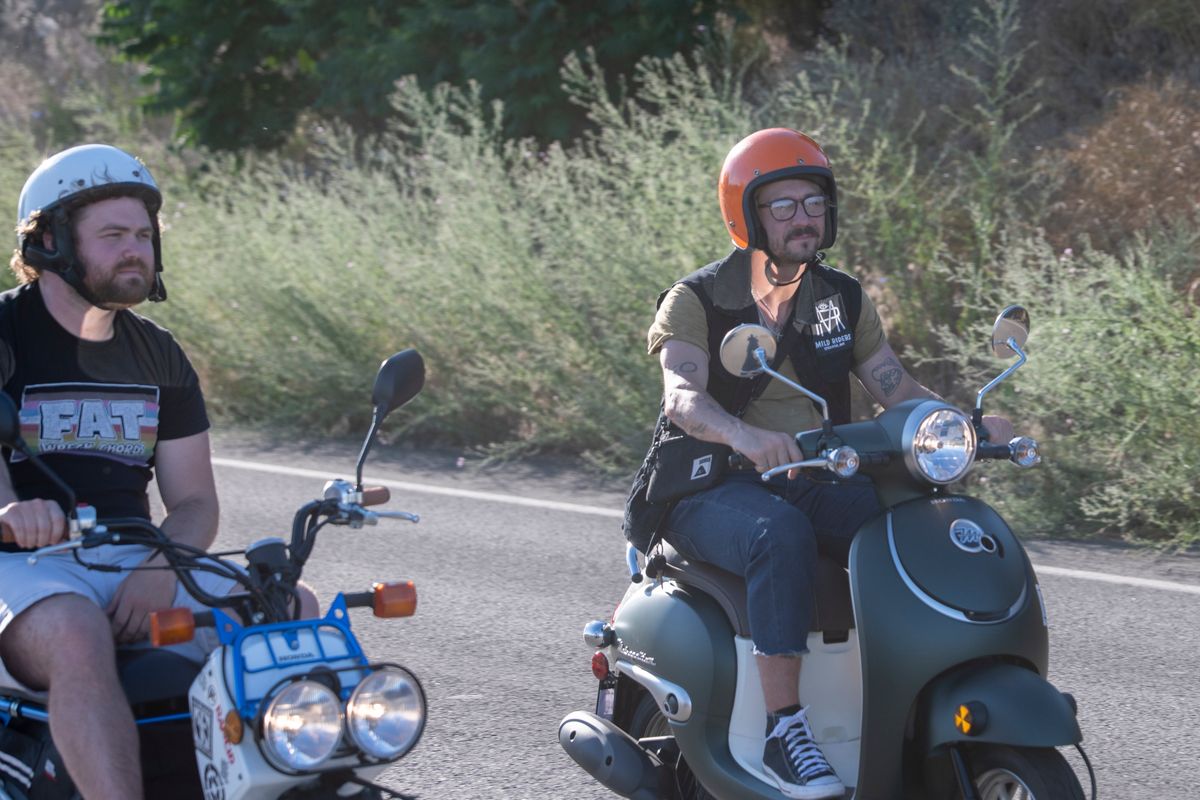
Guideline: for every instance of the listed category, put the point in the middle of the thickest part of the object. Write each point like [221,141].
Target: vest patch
[830,332]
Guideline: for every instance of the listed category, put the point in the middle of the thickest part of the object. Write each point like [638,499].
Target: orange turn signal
[395,599]
[172,626]
[233,728]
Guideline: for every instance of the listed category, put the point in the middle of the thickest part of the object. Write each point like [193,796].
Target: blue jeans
[771,533]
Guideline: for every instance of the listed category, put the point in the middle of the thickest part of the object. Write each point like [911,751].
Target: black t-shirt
[93,411]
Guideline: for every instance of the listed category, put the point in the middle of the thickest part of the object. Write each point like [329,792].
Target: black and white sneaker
[793,759]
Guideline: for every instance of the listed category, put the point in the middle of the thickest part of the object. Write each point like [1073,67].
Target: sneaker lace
[805,756]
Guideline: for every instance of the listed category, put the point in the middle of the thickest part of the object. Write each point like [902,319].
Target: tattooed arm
[887,380]
[889,383]
[689,405]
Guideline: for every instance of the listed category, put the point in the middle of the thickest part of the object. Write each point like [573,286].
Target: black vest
[820,343]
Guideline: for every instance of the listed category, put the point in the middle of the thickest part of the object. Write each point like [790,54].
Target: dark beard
[118,291]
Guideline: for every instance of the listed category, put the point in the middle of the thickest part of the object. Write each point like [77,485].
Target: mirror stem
[58,482]
[366,448]
[827,425]
[977,415]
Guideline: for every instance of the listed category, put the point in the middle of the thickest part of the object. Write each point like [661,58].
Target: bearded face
[115,245]
[793,240]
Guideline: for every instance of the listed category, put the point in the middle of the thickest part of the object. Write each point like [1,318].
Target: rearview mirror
[399,380]
[1013,323]
[739,346]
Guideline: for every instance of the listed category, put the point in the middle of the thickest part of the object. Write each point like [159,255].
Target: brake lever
[841,461]
[97,536]
[372,517]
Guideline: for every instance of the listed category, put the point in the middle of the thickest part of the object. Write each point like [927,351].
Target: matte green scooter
[926,671]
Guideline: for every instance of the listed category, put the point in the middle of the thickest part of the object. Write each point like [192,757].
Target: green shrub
[1110,388]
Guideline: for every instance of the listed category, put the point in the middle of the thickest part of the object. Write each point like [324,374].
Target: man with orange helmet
[779,201]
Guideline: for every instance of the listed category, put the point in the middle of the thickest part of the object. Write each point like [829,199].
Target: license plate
[604,702]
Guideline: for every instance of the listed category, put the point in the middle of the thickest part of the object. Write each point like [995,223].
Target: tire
[647,721]
[1023,773]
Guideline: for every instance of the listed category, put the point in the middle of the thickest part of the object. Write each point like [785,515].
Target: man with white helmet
[778,199]
[106,396]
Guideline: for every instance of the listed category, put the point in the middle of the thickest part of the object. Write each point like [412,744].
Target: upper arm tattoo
[888,375]
[687,367]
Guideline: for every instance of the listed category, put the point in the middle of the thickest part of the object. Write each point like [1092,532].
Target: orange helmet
[771,155]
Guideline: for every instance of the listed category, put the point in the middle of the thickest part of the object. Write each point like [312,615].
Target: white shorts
[23,584]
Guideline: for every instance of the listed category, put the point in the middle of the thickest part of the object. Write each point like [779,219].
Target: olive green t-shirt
[779,407]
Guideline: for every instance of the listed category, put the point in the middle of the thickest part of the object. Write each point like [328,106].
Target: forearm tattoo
[888,375]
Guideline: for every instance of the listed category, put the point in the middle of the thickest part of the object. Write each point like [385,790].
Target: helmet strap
[62,260]
[774,282]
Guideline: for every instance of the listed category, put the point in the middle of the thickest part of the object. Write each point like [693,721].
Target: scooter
[926,671]
[283,707]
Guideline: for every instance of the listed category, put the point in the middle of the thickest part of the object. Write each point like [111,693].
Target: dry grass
[1138,167]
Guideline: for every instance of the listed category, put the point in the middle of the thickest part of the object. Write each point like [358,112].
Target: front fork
[962,773]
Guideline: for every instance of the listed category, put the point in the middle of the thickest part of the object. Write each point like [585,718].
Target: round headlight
[386,713]
[943,445]
[302,725]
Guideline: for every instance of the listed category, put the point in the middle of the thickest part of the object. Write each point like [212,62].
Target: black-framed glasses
[784,208]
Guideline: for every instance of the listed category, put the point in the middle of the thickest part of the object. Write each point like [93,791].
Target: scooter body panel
[238,676]
[1021,708]
[681,636]
[917,620]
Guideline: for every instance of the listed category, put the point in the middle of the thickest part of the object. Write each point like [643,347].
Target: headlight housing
[302,726]
[939,443]
[386,713]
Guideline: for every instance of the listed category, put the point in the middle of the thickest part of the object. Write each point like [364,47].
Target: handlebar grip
[987,450]
[738,461]
[376,495]
[872,458]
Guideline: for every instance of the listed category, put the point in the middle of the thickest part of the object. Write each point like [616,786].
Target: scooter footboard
[998,703]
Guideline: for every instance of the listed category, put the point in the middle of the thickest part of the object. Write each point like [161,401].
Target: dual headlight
[303,724]
[939,443]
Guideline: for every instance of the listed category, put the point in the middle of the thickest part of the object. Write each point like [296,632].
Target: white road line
[493,497]
[1104,577]
[597,511]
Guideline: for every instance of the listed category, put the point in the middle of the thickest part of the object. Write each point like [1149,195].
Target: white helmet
[74,178]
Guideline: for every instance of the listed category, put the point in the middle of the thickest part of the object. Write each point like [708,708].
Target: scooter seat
[155,680]
[833,613]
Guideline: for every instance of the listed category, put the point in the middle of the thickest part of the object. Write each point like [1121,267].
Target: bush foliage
[526,274]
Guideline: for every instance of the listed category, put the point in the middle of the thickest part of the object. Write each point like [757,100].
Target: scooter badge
[969,537]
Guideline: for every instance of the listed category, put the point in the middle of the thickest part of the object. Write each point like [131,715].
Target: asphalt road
[504,590]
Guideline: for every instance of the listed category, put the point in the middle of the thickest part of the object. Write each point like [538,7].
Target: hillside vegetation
[988,152]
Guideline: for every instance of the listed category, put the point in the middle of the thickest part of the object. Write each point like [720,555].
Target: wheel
[646,721]
[1023,773]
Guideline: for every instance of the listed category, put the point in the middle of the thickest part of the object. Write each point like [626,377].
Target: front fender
[1022,708]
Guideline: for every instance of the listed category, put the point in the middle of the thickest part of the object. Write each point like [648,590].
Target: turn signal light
[233,728]
[395,599]
[172,626]
[600,666]
[971,718]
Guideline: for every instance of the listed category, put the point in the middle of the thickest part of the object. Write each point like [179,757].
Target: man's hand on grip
[33,523]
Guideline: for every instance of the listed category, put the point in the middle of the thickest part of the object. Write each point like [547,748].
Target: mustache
[805,231]
[133,261]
